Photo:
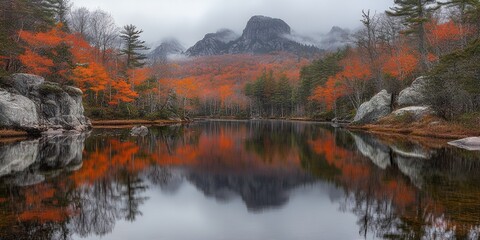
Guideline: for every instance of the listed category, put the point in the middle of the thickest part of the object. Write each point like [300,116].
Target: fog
[190,20]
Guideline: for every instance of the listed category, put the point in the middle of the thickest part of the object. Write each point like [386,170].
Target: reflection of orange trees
[43,203]
[103,162]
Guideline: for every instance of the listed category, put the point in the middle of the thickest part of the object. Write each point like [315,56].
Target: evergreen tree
[133,46]
[415,13]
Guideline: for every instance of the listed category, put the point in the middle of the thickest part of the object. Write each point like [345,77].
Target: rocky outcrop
[471,143]
[413,95]
[261,35]
[379,106]
[141,131]
[31,161]
[30,103]
[416,112]
[17,111]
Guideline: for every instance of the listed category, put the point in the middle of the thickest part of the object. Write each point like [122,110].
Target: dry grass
[12,133]
[429,126]
[8,136]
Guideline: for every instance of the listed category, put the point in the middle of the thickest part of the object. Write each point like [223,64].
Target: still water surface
[237,180]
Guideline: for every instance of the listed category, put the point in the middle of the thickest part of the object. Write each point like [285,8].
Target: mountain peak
[167,48]
[265,28]
[261,35]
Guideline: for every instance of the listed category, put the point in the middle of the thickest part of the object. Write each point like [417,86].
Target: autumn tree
[15,16]
[415,14]
[467,14]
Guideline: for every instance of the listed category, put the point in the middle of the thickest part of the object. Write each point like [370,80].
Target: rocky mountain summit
[213,43]
[261,35]
[28,102]
[167,49]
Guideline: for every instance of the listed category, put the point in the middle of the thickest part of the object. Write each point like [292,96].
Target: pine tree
[132,47]
[415,14]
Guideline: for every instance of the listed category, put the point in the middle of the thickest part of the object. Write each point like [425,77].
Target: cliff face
[261,35]
[30,103]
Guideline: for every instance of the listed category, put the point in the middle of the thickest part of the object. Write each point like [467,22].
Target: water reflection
[308,178]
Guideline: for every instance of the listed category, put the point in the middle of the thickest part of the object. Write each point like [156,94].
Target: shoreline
[443,130]
[448,131]
[134,122]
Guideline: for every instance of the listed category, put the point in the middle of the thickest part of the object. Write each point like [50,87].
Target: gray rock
[471,143]
[416,112]
[31,103]
[18,156]
[141,131]
[17,111]
[24,83]
[413,95]
[376,108]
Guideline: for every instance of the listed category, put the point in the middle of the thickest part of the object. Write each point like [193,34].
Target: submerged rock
[30,103]
[471,143]
[376,108]
[141,131]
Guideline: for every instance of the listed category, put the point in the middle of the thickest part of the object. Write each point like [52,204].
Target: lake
[238,180]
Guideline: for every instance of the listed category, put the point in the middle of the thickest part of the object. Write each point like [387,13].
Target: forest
[85,48]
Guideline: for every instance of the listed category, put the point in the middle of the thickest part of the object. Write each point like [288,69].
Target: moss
[49,88]
[73,91]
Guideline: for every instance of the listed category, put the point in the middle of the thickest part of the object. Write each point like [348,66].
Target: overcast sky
[190,20]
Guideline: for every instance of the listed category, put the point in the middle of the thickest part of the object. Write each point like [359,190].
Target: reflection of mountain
[258,190]
[28,162]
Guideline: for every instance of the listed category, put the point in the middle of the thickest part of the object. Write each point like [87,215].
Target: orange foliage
[48,39]
[344,82]
[402,64]
[224,77]
[444,32]
[35,63]
[138,76]
[329,93]
[124,93]
[91,77]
